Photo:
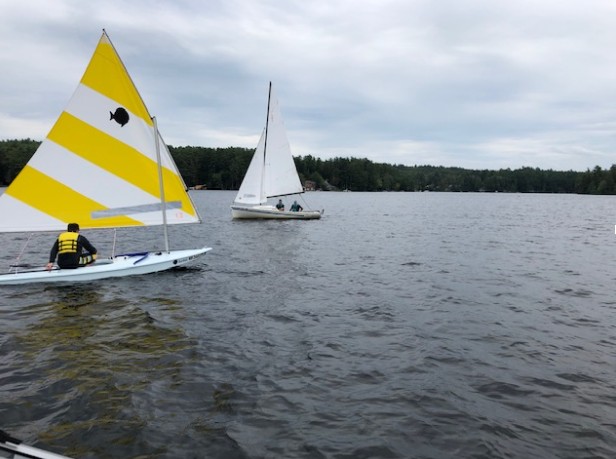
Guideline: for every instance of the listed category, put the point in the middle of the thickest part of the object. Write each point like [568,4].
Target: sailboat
[271,173]
[104,164]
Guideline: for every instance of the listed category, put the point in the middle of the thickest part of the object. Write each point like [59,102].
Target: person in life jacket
[69,248]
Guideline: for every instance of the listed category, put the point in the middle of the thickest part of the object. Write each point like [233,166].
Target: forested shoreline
[224,169]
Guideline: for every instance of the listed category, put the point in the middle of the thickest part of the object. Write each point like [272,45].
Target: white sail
[251,190]
[272,170]
[98,165]
[280,175]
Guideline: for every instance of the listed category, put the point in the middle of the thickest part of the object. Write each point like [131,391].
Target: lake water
[400,325]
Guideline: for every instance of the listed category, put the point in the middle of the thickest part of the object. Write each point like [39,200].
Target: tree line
[224,169]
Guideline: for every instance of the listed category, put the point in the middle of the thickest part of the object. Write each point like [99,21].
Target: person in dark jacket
[295,207]
[69,248]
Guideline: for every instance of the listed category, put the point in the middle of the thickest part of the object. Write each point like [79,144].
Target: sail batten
[158,207]
[99,155]
[282,195]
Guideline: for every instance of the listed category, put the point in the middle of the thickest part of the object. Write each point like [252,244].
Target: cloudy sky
[482,84]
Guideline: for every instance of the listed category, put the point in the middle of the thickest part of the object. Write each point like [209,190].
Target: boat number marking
[184,260]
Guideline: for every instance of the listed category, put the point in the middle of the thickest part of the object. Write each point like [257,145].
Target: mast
[161,185]
[269,96]
[158,159]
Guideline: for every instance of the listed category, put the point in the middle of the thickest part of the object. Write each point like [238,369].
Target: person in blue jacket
[295,207]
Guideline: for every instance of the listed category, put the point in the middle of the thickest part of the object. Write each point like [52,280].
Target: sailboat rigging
[104,164]
[271,173]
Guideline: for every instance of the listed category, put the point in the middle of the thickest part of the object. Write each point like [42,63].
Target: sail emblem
[120,116]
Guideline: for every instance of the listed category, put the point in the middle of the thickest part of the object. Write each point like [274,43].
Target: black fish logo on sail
[120,116]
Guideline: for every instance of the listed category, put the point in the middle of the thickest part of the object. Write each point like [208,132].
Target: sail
[272,170]
[98,164]
[251,190]
[280,175]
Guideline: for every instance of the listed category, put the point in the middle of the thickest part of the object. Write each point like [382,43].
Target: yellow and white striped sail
[98,165]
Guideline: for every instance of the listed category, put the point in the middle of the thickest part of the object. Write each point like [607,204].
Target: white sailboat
[102,165]
[271,173]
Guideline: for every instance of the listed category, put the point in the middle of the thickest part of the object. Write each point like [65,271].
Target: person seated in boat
[69,248]
[295,207]
[280,205]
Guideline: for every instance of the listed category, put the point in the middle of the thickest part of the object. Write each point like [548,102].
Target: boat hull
[270,212]
[25,451]
[118,266]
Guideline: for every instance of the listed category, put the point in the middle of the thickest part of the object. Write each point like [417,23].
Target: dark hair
[73,227]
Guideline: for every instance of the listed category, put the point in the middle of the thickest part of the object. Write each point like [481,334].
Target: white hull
[19,450]
[270,212]
[119,266]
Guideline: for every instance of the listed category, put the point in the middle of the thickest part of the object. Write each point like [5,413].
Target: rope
[306,206]
[23,249]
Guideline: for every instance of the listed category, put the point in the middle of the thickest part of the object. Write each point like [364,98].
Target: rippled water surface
[400,325]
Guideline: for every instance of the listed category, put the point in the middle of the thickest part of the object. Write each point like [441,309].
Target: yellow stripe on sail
[61,202]
[106,74]
[118,159]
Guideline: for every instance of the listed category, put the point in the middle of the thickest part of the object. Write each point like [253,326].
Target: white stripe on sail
[93,108]
[91,181]
[37,221]
[101,186]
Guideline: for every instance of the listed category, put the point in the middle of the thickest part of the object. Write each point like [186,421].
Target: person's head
[294,202]
[280,200]
[73,227]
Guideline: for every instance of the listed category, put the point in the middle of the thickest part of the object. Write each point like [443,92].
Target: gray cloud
[476,83]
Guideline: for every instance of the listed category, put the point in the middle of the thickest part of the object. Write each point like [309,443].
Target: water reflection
[92,362]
